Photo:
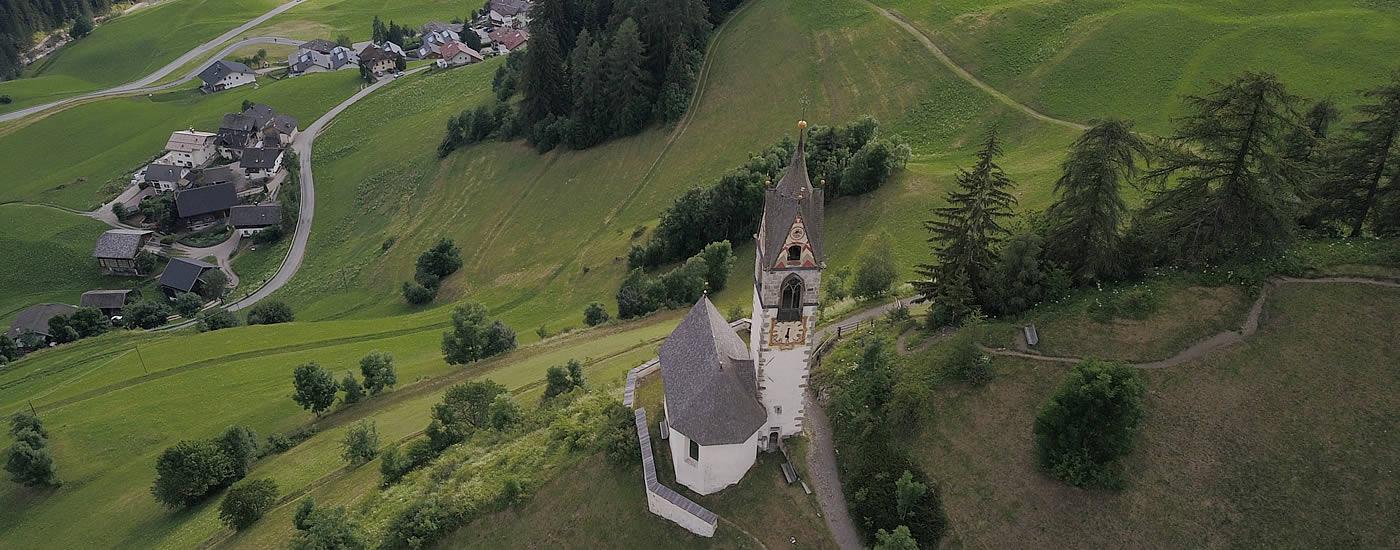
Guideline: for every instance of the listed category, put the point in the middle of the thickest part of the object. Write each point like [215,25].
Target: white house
[248,219]
[261,163]
[166,177]
[321,55]
[725,400]
[190,148]
[455,53]
[222,75]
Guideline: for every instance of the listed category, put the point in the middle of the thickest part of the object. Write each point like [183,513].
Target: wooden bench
[1032,338]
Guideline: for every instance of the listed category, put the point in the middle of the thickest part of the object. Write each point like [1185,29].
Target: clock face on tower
[788,333]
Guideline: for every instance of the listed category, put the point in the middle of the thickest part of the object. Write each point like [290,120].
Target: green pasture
[83,156]
[330,18]
[1082,60]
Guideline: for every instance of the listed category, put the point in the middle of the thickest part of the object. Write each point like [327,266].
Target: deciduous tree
[1090,422]
[314,387]
[246,502]
[378,370]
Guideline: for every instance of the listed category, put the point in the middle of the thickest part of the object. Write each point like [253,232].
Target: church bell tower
[787,286]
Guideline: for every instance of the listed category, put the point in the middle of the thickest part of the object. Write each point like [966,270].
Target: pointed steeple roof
[793,196]
[711,389]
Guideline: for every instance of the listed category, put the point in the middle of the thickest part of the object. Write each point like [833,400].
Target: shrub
[418,294]
[29,460]
[504,412]
[1090,422]
[246,502]
[967,362]
[240,445]
[393,465]
[443,259]
[270,312]
[147,314]
[420,525]
[278,443]
[353,391]
[620,438]
[327,528]
[595,314]
[217,319]
[268,235]
[876,269]
[187,471]
[188,304]
[473,337]
[360,444]
[302,519]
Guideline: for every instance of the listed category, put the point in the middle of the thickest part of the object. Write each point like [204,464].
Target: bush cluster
[1089,423]
[29,460]
[682,286]
[474,336]
[443,259]
[189,470]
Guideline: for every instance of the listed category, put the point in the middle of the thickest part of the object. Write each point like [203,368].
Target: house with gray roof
[110,302]
[222,75]
[166,177]
[182,275]
[237,131]
[248,219]
[117,249]
[36,320]
[261,163]
[200,207]
[321,55]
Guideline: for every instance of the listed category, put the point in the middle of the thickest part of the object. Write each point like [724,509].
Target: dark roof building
[156,173]
[709,380]
[221,174]
[284,124]
[122,244]
[237,131]
[320,44]
[251,216]
[36,318]
[182,275]
[793,197]
[205,200]
[510,7]
[264,158]
[439,26]
[106,300]
[220,69]
[261,114]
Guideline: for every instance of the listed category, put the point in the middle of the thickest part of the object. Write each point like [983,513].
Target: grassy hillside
[1280,442]
[46,256]
[82,156]
[330,18]
[1082,60]
[130,47]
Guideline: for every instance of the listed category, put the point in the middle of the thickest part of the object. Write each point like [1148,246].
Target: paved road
[302,146]
[144,84]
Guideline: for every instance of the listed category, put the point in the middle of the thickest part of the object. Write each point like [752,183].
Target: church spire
[792,199]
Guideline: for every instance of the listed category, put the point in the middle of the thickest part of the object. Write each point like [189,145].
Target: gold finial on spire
[801,125]
[767,183]
[822,182]
[707,288]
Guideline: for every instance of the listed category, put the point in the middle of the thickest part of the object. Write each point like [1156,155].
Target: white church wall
[659,505]
[719,466]
[662,500]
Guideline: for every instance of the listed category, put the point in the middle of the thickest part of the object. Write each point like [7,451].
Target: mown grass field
[1133,59]
[1285,441]
[46,256]
[82,156]
[130,47]
[329,18]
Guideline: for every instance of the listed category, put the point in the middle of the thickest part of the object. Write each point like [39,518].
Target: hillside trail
[967,75]
[1201,348]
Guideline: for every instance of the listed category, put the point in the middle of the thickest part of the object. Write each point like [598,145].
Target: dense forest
[20,20]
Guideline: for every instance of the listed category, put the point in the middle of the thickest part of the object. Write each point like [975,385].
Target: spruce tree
[590,105]
[626,83]
[965,233]
[1235,189]
[1369,163]
[1086,219]
[543,79]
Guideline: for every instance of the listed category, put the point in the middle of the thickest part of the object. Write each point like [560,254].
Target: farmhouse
[222,75]
[166,177]
[724,400]
[376,60]
[507,40]
[203,206]
[182,276]
[190,148]
[510,7]
[237,131]
[36,320]
[433,42]
[260,113]
[439,26]
[117,249]
[110,302]
[248,219]
[224,174]
[455,53]
[262,163]
[320,55]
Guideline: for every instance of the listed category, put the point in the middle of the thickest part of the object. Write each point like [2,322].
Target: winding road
[144,85]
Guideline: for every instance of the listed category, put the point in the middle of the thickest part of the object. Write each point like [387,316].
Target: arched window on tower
[790,307]
[794,253]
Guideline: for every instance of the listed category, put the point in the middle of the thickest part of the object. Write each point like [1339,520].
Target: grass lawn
[84,155]
[329,19]
[255,264]
[1286,441]
[46,256]
[130,47]
[1134,59]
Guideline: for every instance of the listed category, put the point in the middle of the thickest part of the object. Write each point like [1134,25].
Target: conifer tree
[965,233]
[543,79]
[1086,218]
[1235,189]
[590,105]
[626,83]
[1369,163]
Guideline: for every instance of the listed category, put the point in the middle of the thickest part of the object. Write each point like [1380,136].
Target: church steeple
[794,203]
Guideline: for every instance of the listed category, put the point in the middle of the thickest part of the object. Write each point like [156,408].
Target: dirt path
[902,349]
[1217,341]
[968,76]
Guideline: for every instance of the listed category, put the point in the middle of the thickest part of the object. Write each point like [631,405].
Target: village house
[110,302]
[455,53]
[386,46]
[166,177]
[507,40]
[237,132]
[439,26]
[227,173]
[433,42]
[35,321]
[182,275]
[377,61]
[261,164]
[222,75]
[201,207]
[320,55]
[248,219]
[117,249]
[190,148]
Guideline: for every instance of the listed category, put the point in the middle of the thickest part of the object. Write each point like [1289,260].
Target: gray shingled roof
[261,114]
[217,70]
[121,244]
[181,274]
[320,44]
[711,389]
[781,207]
[260,215]
[164,172]
[36,318]
[220,174]
[104,299]
[204,200]
[260,158]
[284,124]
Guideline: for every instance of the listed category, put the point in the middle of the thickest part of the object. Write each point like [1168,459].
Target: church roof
[711,389]
[782,206]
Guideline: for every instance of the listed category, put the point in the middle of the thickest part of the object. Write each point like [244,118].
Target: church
[725,400]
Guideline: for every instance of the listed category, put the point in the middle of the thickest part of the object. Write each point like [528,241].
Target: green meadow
[330,18]
[83,156]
